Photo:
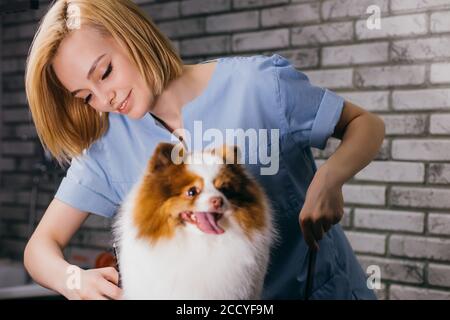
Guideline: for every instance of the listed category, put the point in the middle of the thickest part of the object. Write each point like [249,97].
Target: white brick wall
[379,219]
[355,54]
[406,25]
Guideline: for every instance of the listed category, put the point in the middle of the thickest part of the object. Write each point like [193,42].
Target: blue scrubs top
[247,92]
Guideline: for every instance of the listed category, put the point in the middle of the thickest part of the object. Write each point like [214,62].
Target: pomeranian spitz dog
[200,228]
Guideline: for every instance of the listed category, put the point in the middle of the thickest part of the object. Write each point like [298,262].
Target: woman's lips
[126,105]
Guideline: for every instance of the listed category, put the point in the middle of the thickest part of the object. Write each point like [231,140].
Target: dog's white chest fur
[191,266]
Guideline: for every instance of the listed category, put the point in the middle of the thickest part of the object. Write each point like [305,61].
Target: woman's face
[113,78]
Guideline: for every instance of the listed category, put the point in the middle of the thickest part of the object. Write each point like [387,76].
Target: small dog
[199,229]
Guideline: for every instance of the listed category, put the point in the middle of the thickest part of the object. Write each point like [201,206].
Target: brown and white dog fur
[194,230]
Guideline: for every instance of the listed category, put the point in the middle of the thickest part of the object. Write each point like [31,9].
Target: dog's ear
[229,153]
[162,156]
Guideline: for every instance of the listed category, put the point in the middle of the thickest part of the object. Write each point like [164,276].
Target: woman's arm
[44,259]
[362,134]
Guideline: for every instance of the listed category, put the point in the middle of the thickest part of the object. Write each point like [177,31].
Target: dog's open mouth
[206,221]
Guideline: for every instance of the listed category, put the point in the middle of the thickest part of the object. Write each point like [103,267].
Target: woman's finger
[98,296]
[307,233]
[317,230]
[110,290]
[110,274]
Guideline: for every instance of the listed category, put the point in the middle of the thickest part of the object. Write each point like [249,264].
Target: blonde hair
[66,125]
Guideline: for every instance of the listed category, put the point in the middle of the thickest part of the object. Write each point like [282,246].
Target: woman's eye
[108,71]
[88,98]
[192,191]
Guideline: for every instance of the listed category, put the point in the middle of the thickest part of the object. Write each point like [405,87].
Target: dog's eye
[192,191]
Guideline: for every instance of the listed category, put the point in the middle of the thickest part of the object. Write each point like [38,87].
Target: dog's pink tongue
[206,222]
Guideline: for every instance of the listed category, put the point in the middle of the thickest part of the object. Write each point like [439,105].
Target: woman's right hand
[92,284]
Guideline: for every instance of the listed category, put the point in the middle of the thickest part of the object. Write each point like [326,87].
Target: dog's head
[199,192]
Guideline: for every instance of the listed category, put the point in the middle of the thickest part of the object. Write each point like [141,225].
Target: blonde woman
[105,86]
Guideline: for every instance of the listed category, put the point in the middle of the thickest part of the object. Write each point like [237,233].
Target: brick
[295,14]
[428,48]
[368,100]
[13,65]
[17,179]
[439,224]
[420,197]
[420,247]
[422,99]
[364,194]
[398,292]
[18,148]
[439,173]
[421,149]
[15,49]
[406,25]
[389,220]
[333,143]
[26,131]
[13,248]
[392,171]
[322,33]
[367,242]
[16,115]
[13,81]
[204,7]
[439,275]
[14,99]
[331,78]
[22,31]
[21,17]
[396,270]
[355,54]
[440,73]
[181,28]
[346,220]
[404,124]
[205,45]
[97,222]
[440,21]
[232,22]
[440,123]
[162,11]
[17,230]
[7,164]
[302,58]
[14,213]
[241,4]
[400,5]
[350,8]
[389,76]
[260,40]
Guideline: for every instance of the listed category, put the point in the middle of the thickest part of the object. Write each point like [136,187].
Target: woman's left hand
[323,207]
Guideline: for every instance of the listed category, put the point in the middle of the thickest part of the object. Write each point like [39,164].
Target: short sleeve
[310,112]
[86,185]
